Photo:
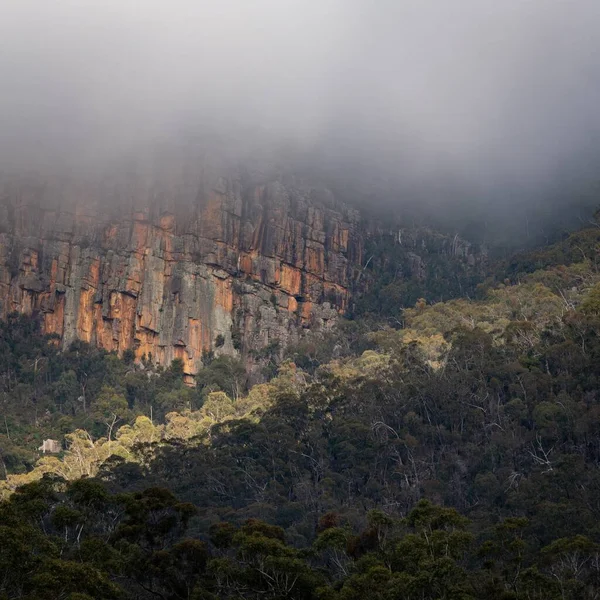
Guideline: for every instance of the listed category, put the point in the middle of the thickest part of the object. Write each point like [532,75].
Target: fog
[427,97]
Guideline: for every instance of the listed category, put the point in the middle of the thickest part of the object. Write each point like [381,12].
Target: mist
[497,102]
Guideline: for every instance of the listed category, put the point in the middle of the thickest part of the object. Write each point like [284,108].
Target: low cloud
[491,96]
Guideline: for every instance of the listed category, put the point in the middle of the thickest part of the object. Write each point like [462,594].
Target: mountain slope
[455,457]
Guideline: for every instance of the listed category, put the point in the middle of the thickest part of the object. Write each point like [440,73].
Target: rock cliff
[177,268]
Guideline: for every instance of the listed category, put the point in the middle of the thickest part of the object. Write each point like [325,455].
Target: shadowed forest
[448,450]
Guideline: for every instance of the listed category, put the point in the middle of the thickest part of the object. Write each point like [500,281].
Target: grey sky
[485,90]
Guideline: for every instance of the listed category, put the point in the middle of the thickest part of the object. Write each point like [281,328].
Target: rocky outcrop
[176,269]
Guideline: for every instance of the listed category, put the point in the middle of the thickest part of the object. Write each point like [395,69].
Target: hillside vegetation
[454,457]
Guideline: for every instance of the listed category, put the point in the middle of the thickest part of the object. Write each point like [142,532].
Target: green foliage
[575,248]
[456,457]
[419,264]
[47,393]
[317,348]
[591,303]
[223,374]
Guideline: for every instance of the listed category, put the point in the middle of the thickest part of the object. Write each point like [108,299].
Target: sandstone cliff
[172,270]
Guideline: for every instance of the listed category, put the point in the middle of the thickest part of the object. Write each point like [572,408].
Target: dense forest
[450,450]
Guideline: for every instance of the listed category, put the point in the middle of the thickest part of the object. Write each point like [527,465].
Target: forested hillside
[455,455]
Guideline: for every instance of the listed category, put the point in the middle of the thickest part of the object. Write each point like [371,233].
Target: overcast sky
[487,90]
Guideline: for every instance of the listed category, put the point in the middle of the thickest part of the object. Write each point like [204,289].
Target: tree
[109,409]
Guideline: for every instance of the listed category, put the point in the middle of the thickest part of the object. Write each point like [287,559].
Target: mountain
[194,264]
[452,456]
[177,270]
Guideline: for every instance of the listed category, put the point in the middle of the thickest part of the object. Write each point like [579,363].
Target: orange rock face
[171,274]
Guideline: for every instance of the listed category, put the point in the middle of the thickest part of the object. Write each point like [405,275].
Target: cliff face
[177,269]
